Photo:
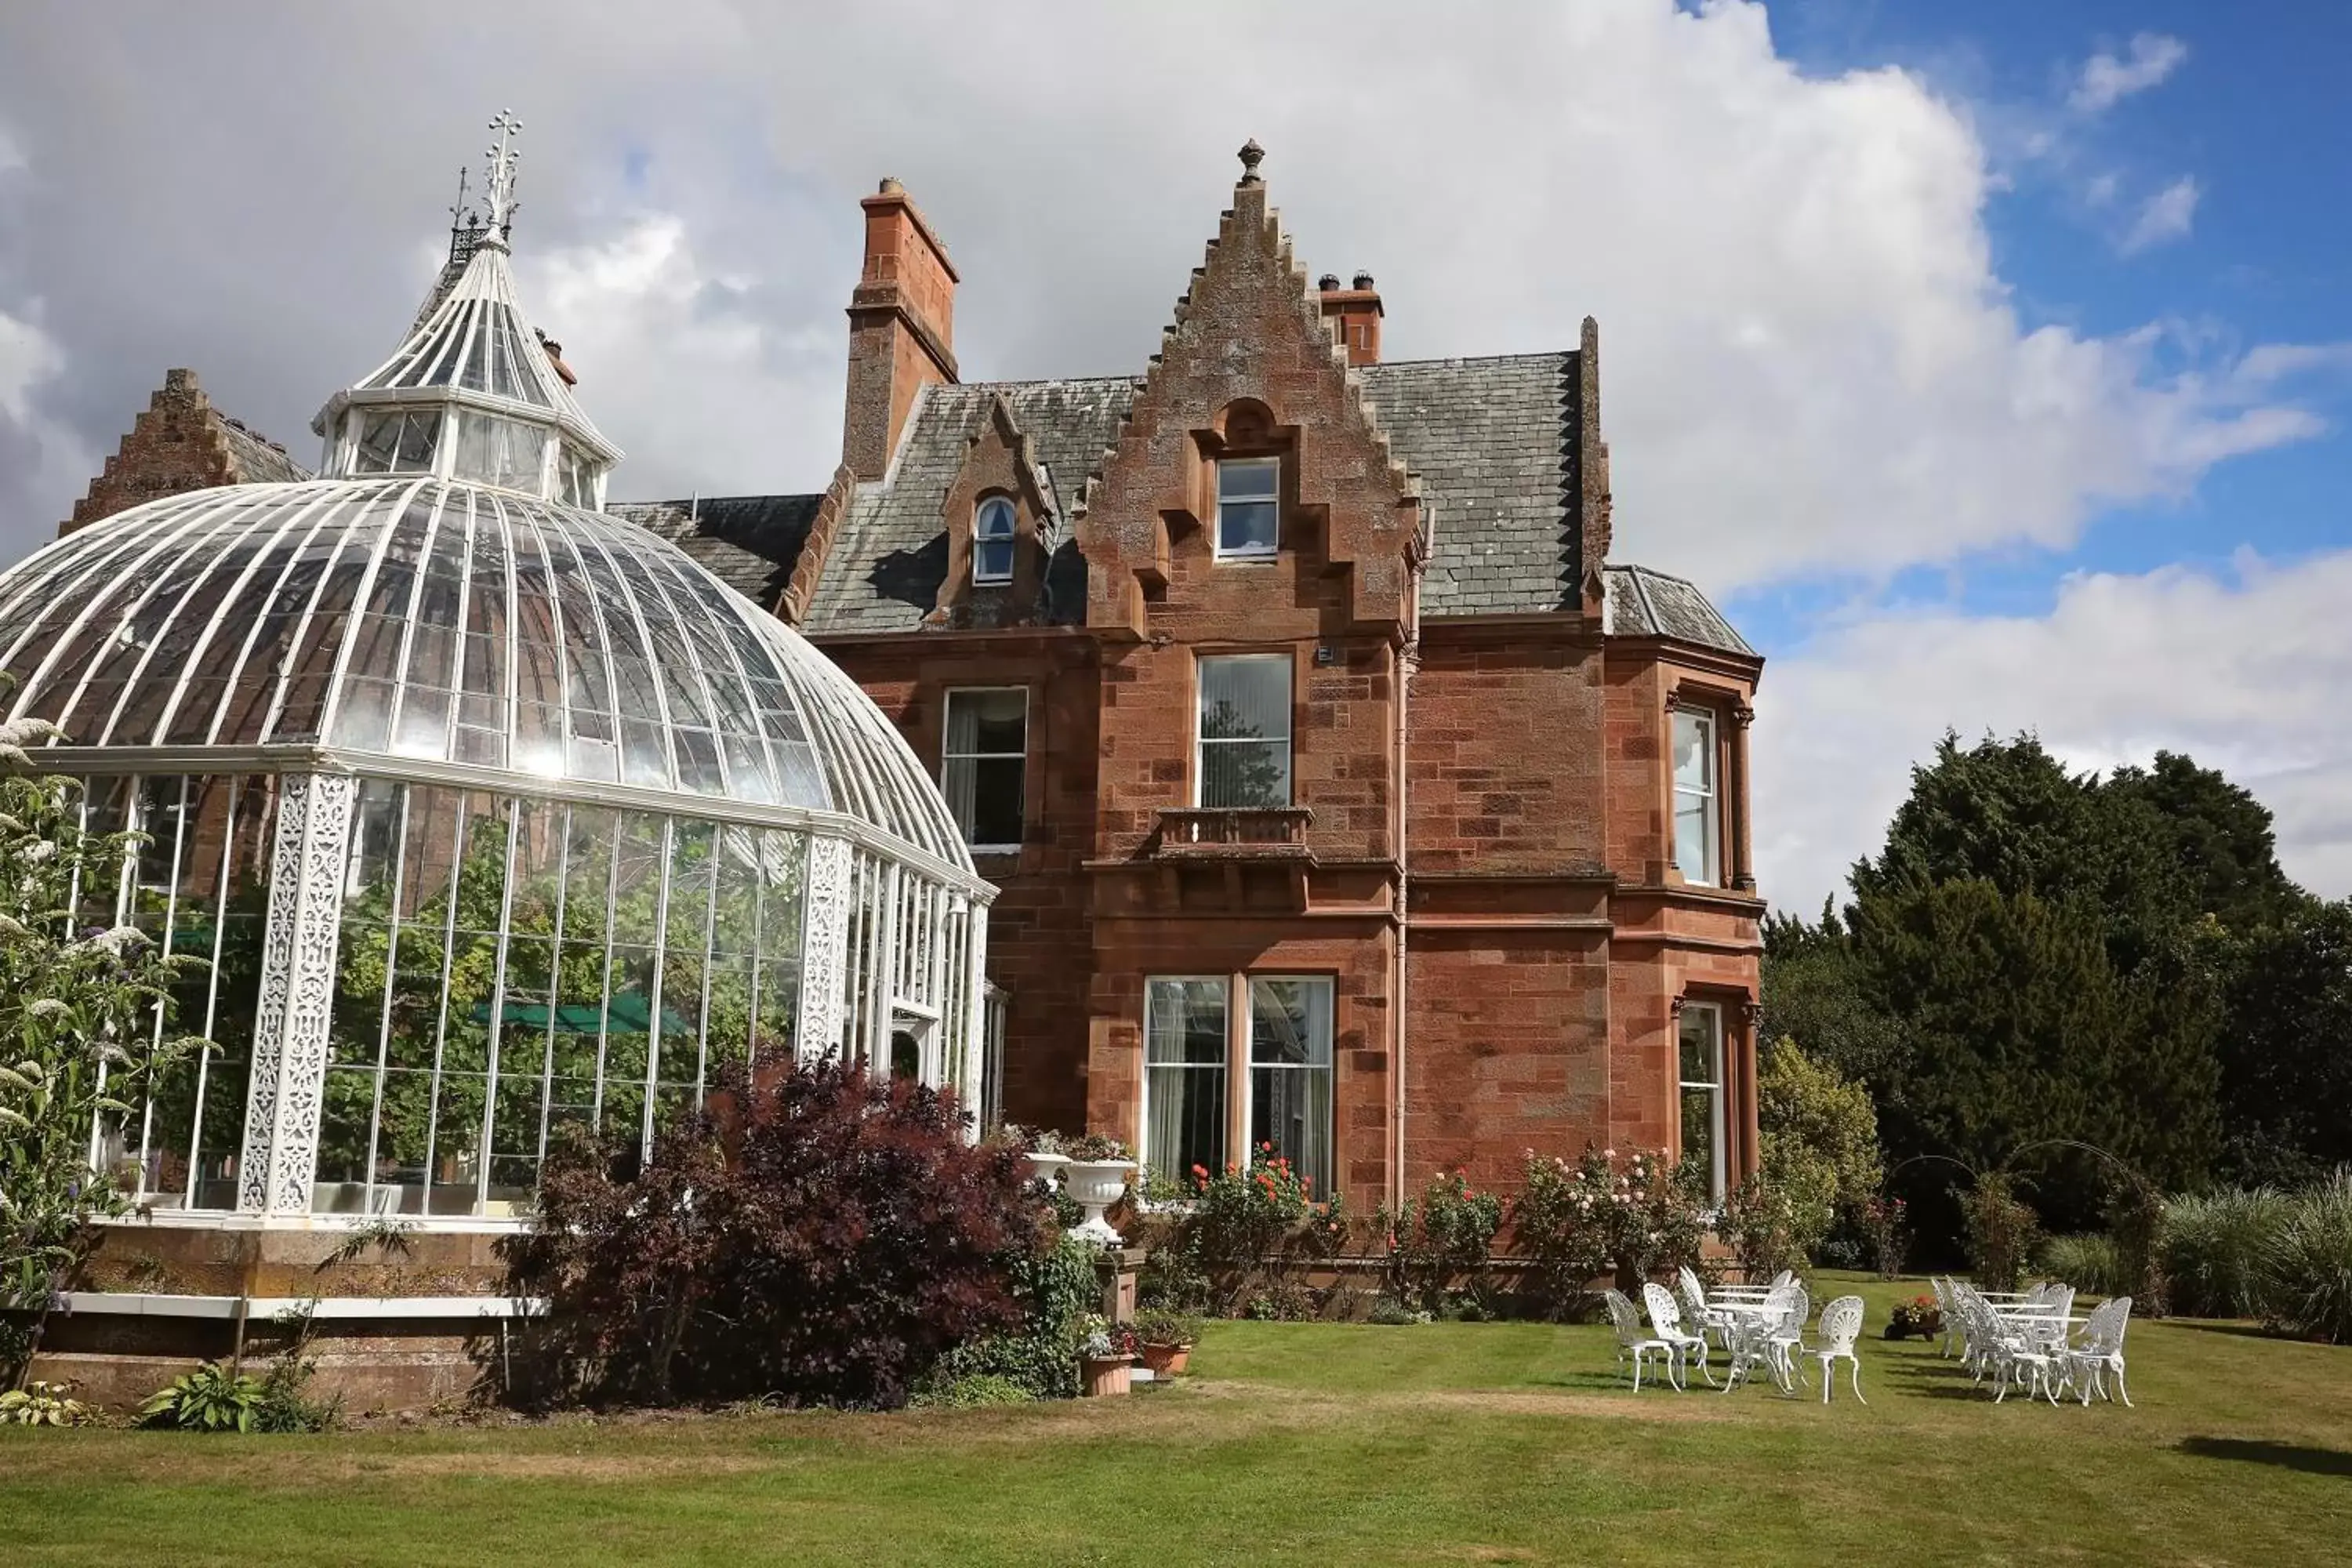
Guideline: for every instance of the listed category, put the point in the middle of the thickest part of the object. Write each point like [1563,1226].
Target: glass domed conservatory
[489,812]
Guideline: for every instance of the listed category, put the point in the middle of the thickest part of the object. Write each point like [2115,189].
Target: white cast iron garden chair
[2099,1351]
[1947,1311]
[1667,1323]
[1633,1341]
[1841,1326]
[1704,1318]
[1787,1340]
[1752,1340]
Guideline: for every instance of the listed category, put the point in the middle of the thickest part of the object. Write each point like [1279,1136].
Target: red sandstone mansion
[1343,794]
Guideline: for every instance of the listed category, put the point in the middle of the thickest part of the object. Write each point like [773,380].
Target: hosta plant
[210,1399]
[41,1404]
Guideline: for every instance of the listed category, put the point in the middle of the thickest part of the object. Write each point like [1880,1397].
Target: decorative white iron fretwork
[824,932]
[503,157]
[298,992]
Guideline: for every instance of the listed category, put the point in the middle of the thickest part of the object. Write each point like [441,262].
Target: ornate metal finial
[500,175]
[1252,155]
[460,215]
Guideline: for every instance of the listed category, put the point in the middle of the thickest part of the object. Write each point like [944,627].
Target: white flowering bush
[84,1021]
[1603,1219]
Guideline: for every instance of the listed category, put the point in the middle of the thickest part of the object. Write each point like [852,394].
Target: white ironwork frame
[205,649]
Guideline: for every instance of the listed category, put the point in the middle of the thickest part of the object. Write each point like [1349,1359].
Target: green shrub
[2213,1246]
[1592,1220]
[971,1393]
[209,1399]
[1440,1245]
[1820,1142]
[2306,1271]
[2088,1262]
[2002,1230]
[1057,1290]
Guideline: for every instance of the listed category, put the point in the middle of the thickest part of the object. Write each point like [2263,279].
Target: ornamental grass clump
[2304,1271]
[821,1237]
[2214,1245]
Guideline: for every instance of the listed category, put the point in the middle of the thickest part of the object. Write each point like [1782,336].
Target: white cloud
[2165,216]
[2240,669]
[1809,359]
[2107,79]
[670,354]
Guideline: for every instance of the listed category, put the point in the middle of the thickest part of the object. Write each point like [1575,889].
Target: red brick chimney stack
[1357,311]
[901,328]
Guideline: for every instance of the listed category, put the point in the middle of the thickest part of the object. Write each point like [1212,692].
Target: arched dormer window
[992,529]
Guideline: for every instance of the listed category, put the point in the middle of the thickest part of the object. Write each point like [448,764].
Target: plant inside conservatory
[87,1021]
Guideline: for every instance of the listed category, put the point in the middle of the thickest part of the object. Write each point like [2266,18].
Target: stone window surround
[1238,1065]
[1732,715]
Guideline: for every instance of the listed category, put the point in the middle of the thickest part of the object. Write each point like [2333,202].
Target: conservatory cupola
[476,394]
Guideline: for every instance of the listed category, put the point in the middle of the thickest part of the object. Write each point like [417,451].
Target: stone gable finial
[1252,155]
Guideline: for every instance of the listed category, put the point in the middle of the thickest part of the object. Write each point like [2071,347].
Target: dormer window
[992,541]
[1247,508]
[395,441]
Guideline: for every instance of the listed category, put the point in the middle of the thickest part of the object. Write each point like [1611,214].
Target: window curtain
[1184,1077]
[1290,1075]
[960,774]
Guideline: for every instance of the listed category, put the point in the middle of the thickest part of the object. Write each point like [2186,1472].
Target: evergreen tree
[2216,835]
[2020,1030]
[1814,993]
[2287,1070]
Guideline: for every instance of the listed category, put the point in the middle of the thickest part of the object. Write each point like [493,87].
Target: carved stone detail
[298,992]
[824,930]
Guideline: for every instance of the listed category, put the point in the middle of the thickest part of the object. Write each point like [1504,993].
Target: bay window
[1701,1076]
[1244,748]
[1697,806]
[1281,1058]
[984,764]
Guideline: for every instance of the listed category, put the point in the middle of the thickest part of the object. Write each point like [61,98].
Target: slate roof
[1643,603]
[748,543]
[1492,440]
[256,459]
[890,557]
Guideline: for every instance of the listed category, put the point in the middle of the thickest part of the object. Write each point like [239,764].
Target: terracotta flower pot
[1105,1375]
[1165,1361]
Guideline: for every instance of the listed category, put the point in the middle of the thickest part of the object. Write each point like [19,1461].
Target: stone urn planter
[1042,1167]
[1095,1185]
[1165,1361]
[1105,1375]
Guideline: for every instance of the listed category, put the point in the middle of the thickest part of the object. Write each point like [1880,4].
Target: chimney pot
[1329,282]
[1363,281]
[889,186]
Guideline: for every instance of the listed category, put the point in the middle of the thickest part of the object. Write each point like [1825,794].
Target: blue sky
[2256,114]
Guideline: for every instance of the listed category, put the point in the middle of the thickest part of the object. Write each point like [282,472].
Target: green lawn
[1317,1443]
